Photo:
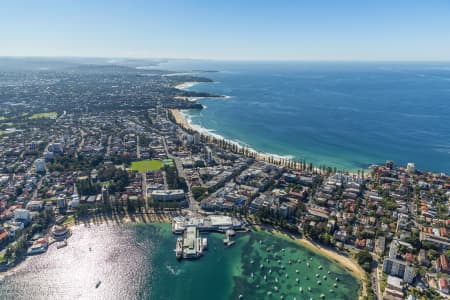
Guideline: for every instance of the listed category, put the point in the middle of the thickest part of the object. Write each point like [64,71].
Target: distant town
[91,142]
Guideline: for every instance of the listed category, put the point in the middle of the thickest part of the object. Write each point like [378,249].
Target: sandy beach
[180,120]
[185,85]
[282,160]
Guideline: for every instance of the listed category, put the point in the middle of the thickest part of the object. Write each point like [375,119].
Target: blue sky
[231,29]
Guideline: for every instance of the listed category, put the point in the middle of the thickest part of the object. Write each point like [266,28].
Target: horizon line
[228,59]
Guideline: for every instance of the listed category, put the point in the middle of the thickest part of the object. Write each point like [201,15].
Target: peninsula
[121,151]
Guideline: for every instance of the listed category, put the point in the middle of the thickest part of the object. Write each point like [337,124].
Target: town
[92,142]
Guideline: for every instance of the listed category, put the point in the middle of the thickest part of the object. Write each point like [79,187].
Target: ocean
[344,115]
[138,262]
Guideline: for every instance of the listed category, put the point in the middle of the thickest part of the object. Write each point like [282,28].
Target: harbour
[141,265]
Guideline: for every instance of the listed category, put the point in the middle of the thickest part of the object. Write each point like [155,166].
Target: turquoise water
[227,273]
[348,115]
[138,262]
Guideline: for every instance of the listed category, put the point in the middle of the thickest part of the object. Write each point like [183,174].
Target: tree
[364,260]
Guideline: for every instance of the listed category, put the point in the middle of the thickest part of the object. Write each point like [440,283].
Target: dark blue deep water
[347,115]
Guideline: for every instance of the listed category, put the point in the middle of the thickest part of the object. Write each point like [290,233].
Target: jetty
[228,234]
[191,245]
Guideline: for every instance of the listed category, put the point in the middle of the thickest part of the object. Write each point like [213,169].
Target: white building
[399,268]
[410,167]
[168,195]
[196,138]
[22,214]
[55,148]
[40,165]
[393,249]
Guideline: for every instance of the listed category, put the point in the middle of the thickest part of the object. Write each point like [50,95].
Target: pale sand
[186,85]
[282,161]
[349,264]
[179,119]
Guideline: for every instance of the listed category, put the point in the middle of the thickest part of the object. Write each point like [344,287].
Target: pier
[191,245]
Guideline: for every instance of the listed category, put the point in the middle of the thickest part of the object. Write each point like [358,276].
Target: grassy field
[2,118]
[49,115]
[146,165]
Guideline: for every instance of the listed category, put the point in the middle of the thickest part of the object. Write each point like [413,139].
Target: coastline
[284,161]
[186,85]
[347,263]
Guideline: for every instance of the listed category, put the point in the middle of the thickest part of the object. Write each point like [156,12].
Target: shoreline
[345,262]
[282,160]
[186,85]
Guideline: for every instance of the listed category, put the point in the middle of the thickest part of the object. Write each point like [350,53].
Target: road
[193,204]
[108,147]
[144,190]
[81,143]
[377,283]
[138,148]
